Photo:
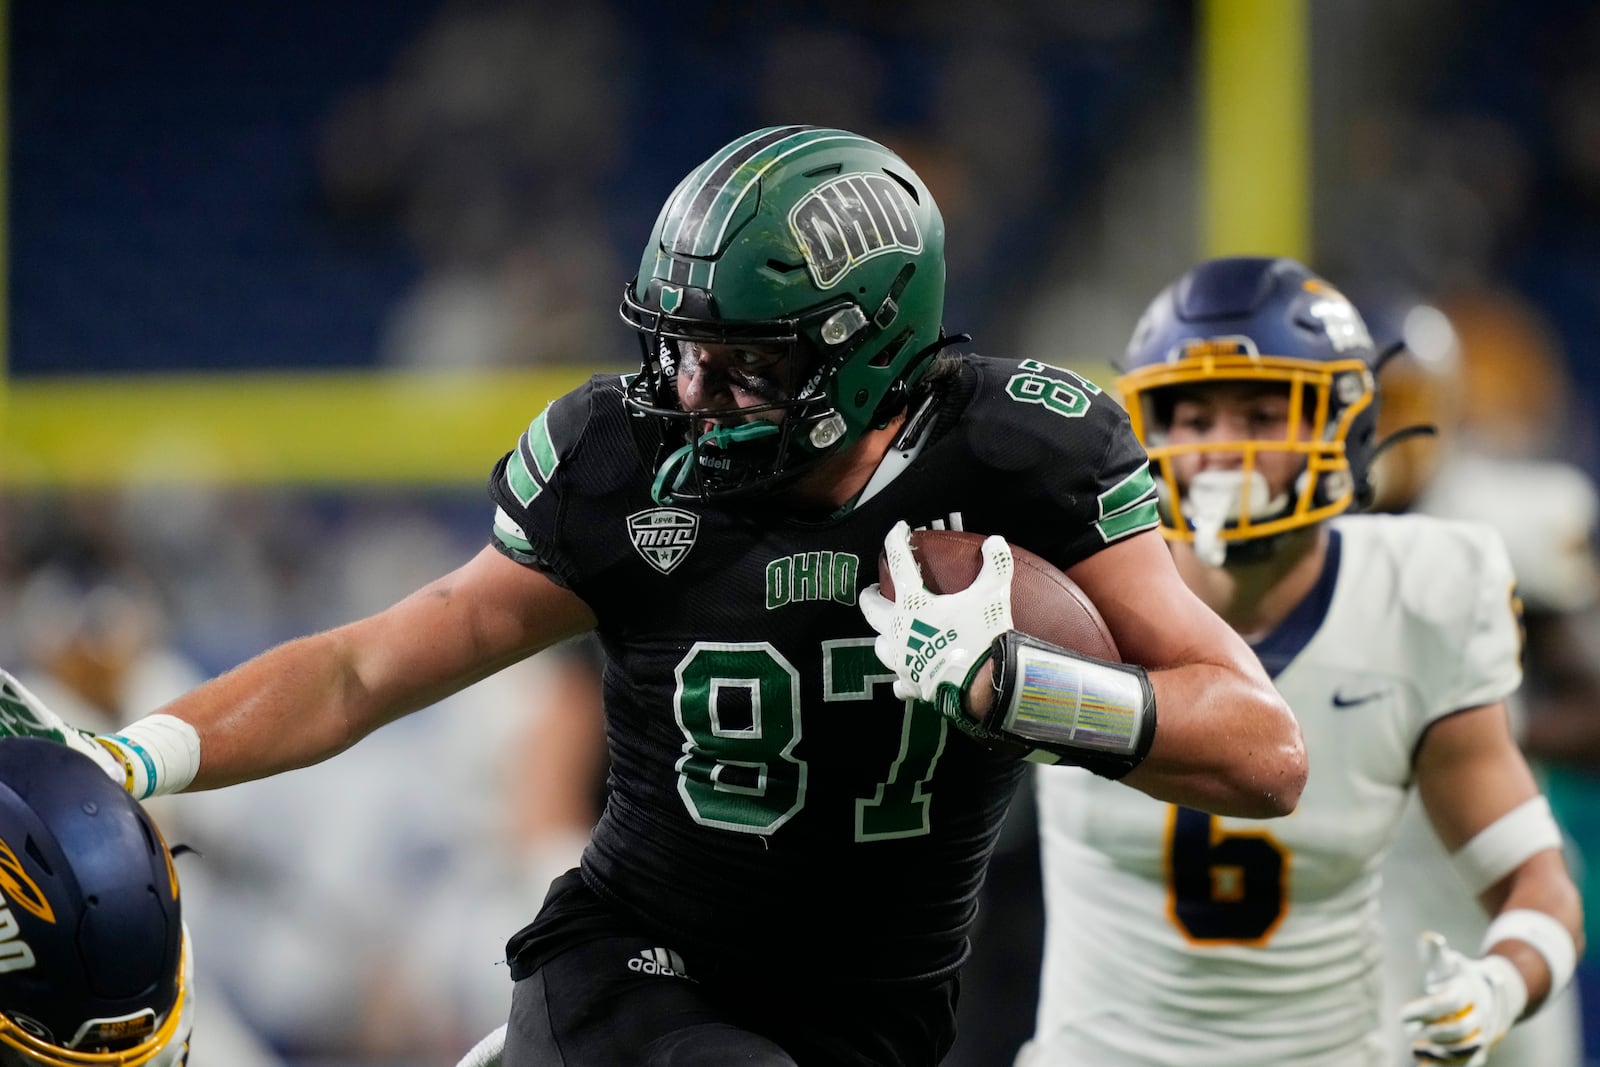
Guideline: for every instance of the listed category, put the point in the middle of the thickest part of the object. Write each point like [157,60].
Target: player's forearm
[313,697]
[1540,885]
[1226,743]
[292,706]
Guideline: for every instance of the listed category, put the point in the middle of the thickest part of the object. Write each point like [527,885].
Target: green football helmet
[817,243]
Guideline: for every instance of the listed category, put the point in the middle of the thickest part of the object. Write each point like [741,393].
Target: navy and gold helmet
[91,940]
[818,242]
[1260,320]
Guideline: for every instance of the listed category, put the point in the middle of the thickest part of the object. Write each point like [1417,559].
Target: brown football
[1045,603]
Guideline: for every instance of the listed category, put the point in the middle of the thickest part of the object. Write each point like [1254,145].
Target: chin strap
[678,460]
[1405,433]
[682,460]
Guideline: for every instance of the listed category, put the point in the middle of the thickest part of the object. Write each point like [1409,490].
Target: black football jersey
[768,791]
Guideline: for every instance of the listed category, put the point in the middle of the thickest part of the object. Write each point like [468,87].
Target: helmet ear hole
[887,356]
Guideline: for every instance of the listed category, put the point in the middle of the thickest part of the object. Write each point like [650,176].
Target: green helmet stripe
[726,187]
[674,220]
[706,205]
[729,197]
[714,172]
[698,203]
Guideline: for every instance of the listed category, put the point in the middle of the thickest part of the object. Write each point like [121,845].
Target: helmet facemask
[1257,323]
[1221,511]
[710,453]
[94,1046]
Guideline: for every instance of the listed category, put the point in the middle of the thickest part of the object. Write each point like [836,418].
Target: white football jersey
[1180,939]
[1546,513]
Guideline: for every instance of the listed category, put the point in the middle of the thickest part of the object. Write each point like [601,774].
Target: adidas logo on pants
[661,961]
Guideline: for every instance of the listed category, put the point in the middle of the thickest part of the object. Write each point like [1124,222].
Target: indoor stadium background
[284,280]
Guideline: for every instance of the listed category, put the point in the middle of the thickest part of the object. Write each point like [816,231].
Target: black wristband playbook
[1082,711]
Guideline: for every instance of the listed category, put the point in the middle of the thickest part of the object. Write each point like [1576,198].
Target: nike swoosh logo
[1342,701]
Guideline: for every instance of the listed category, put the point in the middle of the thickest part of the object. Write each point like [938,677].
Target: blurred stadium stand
[165,210]
[260,186]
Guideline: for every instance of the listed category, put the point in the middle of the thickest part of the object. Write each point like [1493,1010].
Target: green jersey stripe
[524,480]
[519,479]
[1128,492]
[1140,517]
[543,449]
[1129,506]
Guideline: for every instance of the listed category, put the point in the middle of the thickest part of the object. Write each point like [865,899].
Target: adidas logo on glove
[923,644]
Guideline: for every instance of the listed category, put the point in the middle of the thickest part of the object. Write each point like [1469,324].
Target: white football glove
[24,715]
[1467,1005]
[931,640]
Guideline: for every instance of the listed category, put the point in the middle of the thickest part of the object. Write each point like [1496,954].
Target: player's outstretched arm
[312,697]
[315,696]
[1503,842]
[1225,742]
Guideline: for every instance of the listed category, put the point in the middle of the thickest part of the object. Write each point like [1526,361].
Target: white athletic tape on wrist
[163,754]
[1507,843]
[1547,935]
